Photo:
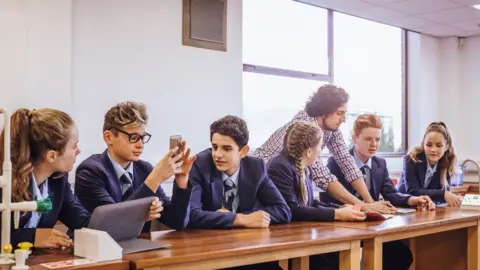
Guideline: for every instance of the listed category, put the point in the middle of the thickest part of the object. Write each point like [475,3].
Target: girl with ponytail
[427,168]
[44,146]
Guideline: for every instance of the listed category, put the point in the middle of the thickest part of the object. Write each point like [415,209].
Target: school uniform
[420,178]
[396,255]
[377,180]
[100,180]
[246,191]
[283,172]
[65,208]
[253,191]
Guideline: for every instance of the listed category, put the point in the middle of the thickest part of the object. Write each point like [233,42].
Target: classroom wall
[469,98]
[132,50]
[82,56]
[35,54]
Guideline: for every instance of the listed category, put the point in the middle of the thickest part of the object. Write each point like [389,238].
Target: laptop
[124,222]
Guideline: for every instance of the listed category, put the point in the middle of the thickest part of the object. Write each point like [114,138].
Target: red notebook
[373,215]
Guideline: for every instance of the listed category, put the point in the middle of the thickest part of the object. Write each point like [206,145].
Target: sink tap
[464,168]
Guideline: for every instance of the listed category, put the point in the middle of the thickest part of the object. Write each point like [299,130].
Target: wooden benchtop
[469,188]
[55,255]
[198,245]
[191,246]
[417,220]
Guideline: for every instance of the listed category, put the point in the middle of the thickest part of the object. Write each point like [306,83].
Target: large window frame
[329,78]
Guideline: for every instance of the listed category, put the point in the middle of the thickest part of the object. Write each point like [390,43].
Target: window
[275,67]
[288,54]
[368,63]
[271,36]
[270,103]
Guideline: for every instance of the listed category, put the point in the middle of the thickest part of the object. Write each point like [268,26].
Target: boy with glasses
[119,175]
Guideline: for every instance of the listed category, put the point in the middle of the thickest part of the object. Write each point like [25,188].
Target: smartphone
[176,140]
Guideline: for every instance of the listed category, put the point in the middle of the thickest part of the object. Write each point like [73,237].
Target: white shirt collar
[119,170]
[431,170]
[359,163]
[234,177]
[39,192]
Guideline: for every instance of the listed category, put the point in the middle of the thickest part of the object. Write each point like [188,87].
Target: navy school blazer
[96,184]
[65,208]
[382,183]
[282,171]
[255,190]
[413,179]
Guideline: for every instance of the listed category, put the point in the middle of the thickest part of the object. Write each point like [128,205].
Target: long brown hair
[33,132]
[299,137]
[449,159]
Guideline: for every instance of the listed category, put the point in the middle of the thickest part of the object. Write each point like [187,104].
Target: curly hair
[326,100]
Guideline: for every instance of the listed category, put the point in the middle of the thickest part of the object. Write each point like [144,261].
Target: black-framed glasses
[133,137]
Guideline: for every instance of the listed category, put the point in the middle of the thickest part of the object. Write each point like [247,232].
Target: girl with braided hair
[291,172]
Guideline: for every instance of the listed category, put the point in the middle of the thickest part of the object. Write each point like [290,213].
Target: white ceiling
[441,18]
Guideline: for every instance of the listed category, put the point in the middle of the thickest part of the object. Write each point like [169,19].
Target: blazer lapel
[138,176]
[245,191]
[44,218]
[376,180]
[25,216]
[23,219]
[112,177]
[422,168]
[308,182]
[216,185]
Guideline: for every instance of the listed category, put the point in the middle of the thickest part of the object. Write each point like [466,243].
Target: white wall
[469,97]
[82,56]
[35,54]
[131,49]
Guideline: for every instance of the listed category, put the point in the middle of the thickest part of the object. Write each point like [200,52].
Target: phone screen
[176,140]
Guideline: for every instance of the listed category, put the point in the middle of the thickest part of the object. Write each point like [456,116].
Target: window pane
[271,101]
[285,34]
[368,64]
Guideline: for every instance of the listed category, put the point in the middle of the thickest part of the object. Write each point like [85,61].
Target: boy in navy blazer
[119,175]
[231,189]
[366,137]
